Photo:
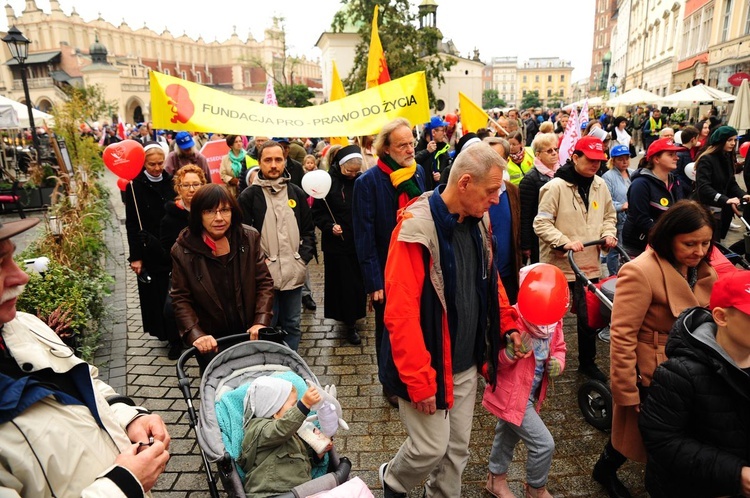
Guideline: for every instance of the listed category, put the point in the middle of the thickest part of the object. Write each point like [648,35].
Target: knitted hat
[722,134]
[267,395]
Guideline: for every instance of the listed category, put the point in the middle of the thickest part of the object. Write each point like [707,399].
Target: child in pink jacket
[516,400]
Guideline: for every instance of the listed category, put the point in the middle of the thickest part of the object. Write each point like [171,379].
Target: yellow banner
[177,104]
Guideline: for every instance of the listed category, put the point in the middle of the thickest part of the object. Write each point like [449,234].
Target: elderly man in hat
[186,154]
[63,431]
[432,151]
[378,194]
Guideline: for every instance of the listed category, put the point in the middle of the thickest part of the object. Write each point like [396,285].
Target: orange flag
[377,69]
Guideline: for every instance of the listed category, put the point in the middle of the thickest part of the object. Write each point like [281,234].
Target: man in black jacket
[278,209]
[694,422]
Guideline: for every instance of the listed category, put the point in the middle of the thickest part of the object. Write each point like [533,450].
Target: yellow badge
[664,201]
[292,203]
[594,205]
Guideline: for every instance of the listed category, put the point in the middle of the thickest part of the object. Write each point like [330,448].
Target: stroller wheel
[595,402]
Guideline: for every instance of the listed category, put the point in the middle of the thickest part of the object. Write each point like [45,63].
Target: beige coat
[65,440]
[563,218]
[227,174]
[649,296]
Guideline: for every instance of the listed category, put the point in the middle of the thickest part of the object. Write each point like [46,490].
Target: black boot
[605,472]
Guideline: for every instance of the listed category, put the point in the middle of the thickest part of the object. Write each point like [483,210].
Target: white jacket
[55,445]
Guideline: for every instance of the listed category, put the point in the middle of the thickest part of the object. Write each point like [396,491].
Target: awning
[37,58]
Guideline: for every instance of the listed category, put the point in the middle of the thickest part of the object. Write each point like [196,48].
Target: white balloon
[317,183]
[41,264]
[690,171]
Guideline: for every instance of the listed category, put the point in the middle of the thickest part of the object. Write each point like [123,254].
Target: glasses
[214,213]
[553,150]
[403,147]
[191,186]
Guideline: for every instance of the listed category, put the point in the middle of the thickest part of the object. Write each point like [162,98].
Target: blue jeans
[287,310]
[537,439]
[613,257]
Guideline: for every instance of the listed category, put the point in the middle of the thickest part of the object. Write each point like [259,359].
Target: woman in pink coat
[516,401]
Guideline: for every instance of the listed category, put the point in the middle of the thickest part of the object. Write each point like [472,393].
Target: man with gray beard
[63,431]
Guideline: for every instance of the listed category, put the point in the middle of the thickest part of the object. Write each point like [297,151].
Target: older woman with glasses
[221,285]
[546,163]
[187,181]
[144,199]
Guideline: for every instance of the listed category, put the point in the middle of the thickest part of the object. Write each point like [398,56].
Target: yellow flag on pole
[377,69]
[337,87]
[473,116]
[337,92]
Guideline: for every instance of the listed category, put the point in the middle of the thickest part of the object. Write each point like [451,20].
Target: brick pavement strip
[375,430]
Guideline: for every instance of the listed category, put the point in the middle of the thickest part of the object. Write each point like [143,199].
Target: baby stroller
[233,367]
[594,396]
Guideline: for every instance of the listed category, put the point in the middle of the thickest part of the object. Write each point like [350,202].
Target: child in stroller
[274,458]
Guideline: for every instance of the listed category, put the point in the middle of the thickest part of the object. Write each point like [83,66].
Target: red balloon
[743,149]
[543,297]
[122,184]
[125,159]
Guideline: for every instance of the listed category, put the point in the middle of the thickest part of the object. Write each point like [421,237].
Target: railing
[33,83]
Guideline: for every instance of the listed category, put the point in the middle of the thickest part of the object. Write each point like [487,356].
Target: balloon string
[135,202]
[332,217]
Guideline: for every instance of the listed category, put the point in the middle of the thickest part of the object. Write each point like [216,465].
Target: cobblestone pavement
[375,430]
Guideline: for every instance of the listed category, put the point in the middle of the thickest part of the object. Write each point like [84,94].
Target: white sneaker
[734,226]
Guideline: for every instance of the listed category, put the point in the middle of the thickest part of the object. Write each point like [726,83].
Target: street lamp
[613,82]
[19,49]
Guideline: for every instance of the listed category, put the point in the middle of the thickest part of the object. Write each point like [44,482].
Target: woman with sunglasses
[546,163]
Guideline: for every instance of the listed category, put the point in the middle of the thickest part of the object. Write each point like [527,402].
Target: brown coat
[649,296]
[197,308]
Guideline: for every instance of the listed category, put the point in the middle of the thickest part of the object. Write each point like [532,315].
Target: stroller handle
[577,270]
[192,351]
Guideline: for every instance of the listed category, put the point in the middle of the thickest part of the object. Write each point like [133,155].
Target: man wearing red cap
[64,432]
[576,207]
[695,421]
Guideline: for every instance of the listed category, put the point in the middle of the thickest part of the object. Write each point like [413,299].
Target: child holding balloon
[522,382]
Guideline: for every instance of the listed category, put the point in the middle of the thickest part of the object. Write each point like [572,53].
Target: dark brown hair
[209,197]
[685,216]
[231,139]
[267,145]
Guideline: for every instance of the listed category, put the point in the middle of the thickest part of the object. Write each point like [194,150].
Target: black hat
[8,230]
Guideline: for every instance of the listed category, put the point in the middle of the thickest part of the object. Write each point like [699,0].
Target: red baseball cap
[662,145]
[592,148]
[732,290]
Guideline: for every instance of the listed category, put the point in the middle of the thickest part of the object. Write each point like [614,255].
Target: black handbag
[632,151]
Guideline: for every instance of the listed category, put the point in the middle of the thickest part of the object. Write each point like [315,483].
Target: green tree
[490,99]
[407,48]
[293,95]
[531,99]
